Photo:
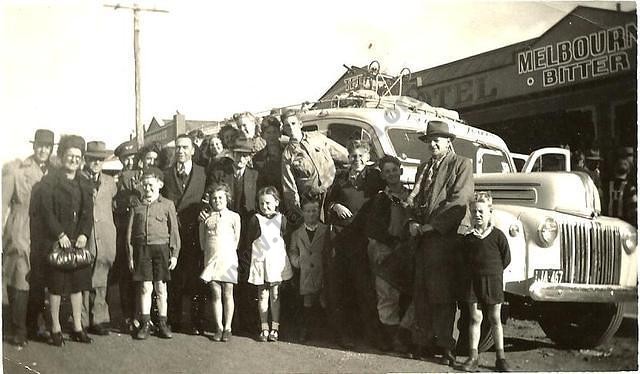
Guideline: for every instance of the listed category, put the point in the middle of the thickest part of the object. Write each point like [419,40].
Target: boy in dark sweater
[486,253]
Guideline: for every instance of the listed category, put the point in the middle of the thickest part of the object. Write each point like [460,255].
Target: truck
[572,266]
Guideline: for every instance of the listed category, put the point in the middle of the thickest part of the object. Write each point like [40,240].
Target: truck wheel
[486,338]
[580,325]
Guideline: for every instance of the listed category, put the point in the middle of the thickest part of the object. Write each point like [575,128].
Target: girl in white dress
[219,238]
[269,262]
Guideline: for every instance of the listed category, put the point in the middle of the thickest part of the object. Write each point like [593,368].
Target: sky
[68,65]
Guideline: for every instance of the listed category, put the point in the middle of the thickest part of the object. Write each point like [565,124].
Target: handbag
[69,259]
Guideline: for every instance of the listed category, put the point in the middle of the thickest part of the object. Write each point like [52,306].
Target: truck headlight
[629,240]
[547,232]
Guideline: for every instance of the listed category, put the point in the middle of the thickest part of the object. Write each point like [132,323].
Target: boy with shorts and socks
[154,244]
[486,254]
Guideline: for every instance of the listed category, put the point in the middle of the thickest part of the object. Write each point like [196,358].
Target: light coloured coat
[18,180]
[307,256]
[102,241]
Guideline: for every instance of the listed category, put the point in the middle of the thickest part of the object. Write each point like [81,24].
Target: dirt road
[526,346]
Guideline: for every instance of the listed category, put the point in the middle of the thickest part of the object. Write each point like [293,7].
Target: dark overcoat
[444,205]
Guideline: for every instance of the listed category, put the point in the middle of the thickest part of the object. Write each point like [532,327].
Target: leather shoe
[471,365]
[447,358]
[57,339]
[80,336]
[99,330]
[143,332]
[502,365]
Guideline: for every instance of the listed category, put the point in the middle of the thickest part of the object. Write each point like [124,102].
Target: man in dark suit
[443,190]
[184,185]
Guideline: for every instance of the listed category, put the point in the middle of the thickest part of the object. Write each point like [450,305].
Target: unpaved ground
[527,350]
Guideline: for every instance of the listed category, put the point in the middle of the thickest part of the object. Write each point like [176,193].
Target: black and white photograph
[319,187]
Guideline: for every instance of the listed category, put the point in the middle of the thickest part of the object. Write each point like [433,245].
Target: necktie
[182,174]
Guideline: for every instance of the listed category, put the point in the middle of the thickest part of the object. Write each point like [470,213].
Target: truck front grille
[591,254]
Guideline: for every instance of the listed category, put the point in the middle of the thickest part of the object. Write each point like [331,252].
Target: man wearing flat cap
[439,200]
[102,240]
[128,195]
[19,180]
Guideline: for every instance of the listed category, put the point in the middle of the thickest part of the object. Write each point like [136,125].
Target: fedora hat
[125,149]
[43,136]
[437,129]
[97,149]
[244,145]
[593,154]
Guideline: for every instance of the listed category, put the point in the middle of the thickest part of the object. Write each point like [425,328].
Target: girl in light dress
[219,238]
[269,262]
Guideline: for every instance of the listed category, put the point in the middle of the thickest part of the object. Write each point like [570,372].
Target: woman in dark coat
[67,210]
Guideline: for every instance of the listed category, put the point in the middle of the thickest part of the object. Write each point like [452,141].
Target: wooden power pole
[136,61]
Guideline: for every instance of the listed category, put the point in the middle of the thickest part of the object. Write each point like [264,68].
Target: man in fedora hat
[19,182]
[128,195]
[443,190]
[102,240]
[592,163]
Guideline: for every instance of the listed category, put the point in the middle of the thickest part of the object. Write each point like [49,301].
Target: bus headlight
[547,232]
[629,240]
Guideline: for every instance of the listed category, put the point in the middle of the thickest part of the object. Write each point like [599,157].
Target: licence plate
[548,275]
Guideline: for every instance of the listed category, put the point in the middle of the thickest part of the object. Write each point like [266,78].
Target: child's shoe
[471,365]
[273,336]
[164,331]
[502,365]
[80,336]
[143,332]
[264,336]
[217,336]
[226,335]
[57,339]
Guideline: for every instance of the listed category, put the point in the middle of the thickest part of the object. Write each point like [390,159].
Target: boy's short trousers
[484,289]
[151,263]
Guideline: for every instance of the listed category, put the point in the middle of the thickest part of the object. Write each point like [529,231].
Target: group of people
[246,223]
[615,180]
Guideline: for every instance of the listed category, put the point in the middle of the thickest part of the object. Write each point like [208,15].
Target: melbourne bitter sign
[585,57]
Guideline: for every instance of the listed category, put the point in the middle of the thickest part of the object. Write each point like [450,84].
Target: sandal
[264,335]
[273,336]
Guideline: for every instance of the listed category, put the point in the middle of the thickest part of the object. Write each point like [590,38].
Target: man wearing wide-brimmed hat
[102,241]
[443,190]
[18,182]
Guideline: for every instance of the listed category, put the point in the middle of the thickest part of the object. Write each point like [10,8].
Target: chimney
[618,7]
[179,123]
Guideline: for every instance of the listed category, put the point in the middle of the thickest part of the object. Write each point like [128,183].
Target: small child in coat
[219,238]
[306,252]
[269,261]
[153,241]
[486,253]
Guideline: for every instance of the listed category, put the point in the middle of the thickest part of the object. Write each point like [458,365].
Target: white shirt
[188,165]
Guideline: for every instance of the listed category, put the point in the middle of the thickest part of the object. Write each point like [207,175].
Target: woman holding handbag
[67,208]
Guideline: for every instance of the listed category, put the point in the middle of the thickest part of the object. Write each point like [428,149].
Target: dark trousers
[349,282]
[18,301]
[36,307]
[120,274]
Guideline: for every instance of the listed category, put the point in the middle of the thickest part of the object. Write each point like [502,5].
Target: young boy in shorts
[154,244]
